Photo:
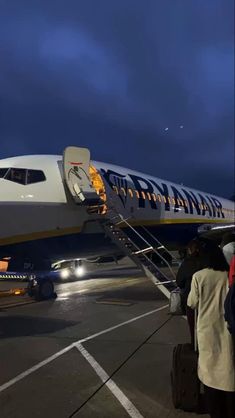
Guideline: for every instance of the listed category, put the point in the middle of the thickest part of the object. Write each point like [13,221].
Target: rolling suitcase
[184,379]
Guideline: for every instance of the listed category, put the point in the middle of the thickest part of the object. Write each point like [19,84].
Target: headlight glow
[79,272]
[64,274]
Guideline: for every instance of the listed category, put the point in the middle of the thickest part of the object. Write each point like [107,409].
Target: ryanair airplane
[50,208]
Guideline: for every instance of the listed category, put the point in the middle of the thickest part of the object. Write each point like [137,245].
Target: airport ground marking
[34,368]
[121,324]
[116,391]
[48,360]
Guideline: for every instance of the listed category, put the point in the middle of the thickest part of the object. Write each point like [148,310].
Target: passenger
[192,263]
[216,361]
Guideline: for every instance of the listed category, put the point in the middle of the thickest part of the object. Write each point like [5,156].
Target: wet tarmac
[103,348]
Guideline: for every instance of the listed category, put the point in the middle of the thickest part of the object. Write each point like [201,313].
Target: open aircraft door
[76,164]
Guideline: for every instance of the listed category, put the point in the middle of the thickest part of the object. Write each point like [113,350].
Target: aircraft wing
[215,231]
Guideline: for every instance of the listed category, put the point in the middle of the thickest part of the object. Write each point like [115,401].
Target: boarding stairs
[141,248]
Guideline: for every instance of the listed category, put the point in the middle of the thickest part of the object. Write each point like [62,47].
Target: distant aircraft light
[166,129]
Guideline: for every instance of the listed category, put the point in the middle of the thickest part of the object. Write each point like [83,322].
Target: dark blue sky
[144,84]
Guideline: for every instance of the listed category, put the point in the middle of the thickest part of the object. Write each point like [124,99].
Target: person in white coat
[216,369]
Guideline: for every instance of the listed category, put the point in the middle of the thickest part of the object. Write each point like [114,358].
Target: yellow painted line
[114,302]
[123,282]
[15,304]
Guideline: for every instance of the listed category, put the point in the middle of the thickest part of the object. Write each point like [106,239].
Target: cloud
[113,76]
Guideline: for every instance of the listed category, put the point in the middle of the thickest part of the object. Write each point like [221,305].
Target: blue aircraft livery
[171,195]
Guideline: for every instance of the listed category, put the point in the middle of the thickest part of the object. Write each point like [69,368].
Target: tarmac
[103,348]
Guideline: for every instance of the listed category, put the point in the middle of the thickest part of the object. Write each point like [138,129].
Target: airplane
[51,208]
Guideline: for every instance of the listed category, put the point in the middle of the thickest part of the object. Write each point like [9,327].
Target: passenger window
[115,189]
[17,175]
[154,197]
[3,172]
[180,202]
[130,192]
[35,176]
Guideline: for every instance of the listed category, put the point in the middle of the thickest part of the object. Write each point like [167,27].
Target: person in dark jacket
[193,262]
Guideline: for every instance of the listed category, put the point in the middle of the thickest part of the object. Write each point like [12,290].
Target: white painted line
[122,323]
[69,347]
[34,368]
[119,395]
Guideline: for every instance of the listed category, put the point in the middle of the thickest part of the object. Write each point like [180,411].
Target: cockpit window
[3,172]
[22,175]
[35,176]
[18,175]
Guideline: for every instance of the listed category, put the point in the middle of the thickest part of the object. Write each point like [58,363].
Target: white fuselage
[46,209]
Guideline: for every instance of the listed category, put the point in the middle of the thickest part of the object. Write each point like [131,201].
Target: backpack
[229,309]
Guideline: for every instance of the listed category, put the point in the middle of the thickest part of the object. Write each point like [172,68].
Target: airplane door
[76,162]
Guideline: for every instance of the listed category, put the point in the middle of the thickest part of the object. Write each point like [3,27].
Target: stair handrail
[158,242]
[143,239]
[150,262]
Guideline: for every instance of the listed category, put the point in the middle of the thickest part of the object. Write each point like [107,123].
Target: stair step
[132,247]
